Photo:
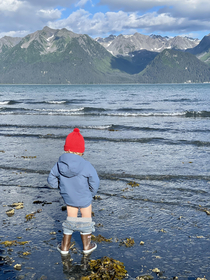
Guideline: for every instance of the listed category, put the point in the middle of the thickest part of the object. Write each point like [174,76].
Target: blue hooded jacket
[77,179]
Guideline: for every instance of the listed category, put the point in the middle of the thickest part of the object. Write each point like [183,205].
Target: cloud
[50,3]
[184,6]
[123,22]
[49,14]
[189,9]
[9,5]
[98,23]
[21,33]
[133,5]
[105,17]
[81,3]
[17,16]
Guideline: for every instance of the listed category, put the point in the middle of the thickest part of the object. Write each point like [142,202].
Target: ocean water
[157,136]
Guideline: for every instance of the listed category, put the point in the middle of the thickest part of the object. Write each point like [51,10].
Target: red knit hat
[75,142]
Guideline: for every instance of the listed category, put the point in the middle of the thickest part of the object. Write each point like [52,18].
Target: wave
[96,139]
[156,140]
[109,127]
[91,127]
[26,111]
[152,177]
[181,100]
[56,102]
[4,102]
[94,111]
[14,111]
[124,176]
[9,102]
[197,114]
[64,101]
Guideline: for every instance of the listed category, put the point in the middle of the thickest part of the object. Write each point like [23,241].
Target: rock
[97,197]
[208,213]
[99,225]
[26,253]
[142,243]
[20,277]
[18,266]
[17,205]
[41,202]
[10,212]
[144,277]
[156,270]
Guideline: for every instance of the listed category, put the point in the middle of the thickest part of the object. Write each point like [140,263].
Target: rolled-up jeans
[84,225]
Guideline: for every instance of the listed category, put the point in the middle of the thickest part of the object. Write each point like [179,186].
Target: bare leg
[72,211]
[86,212]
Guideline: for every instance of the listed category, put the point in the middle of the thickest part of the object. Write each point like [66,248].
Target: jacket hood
[70,165]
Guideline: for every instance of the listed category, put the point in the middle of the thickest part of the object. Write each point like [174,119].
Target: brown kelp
[106,268]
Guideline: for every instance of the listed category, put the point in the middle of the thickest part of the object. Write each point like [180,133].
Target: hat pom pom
[76,130]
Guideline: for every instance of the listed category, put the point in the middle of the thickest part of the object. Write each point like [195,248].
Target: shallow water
[155,135]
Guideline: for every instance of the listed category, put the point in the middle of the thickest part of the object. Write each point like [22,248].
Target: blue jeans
[84,225]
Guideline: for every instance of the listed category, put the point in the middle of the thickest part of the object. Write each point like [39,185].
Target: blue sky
[100,18]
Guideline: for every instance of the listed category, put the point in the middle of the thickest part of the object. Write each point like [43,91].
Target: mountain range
[126,44]
[59,56]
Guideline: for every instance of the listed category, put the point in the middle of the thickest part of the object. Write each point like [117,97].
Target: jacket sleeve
[53,177]
[93,180]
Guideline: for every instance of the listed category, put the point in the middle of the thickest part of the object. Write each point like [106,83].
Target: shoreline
[43,231]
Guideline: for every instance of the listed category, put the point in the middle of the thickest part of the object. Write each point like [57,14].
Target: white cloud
[20,33]
[191,9]
[81,3]
[121,16]
[9,5]
[49,14]
[114,22]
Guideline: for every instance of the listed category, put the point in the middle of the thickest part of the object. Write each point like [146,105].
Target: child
[78,182]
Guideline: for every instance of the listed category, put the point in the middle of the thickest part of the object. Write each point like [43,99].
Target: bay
[154,135]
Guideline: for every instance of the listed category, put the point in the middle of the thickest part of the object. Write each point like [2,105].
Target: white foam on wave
[56,102]
[4,102]
[147,114]
[58,111]
[77,109]
[100,127]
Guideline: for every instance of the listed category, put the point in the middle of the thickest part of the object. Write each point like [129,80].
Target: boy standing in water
[78,182]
